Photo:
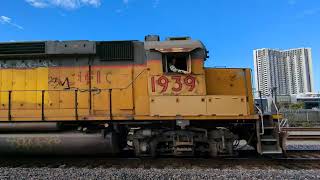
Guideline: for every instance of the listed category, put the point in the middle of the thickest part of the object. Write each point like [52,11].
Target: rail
[278,115]
[299,133]
[301,129]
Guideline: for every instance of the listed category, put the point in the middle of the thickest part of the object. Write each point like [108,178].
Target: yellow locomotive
[151,97]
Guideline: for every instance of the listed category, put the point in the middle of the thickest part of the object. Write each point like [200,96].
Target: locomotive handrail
[262,125]
[277,110]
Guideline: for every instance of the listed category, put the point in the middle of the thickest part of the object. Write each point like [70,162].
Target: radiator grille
[116,51]
[22,48]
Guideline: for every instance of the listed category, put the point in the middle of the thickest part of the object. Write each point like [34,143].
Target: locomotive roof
[174,45]
[39,48]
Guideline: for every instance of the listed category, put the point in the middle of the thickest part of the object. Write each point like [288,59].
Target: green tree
[297,106]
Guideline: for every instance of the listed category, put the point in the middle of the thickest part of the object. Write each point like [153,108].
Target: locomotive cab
[171,93]
[211,91]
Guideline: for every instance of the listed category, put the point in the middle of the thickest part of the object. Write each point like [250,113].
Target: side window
[177,63]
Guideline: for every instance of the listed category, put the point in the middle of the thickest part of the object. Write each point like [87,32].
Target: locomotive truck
[109,97]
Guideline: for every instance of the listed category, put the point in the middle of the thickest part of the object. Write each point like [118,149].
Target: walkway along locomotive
[97,97]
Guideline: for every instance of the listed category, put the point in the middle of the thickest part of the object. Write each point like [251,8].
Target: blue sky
[231,29]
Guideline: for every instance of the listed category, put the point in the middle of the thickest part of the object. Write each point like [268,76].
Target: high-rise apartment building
[290,71]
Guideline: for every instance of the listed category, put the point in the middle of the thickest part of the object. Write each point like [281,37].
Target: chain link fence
[302,117]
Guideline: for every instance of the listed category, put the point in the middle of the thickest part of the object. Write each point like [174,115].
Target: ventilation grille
[22,48]
[116,51]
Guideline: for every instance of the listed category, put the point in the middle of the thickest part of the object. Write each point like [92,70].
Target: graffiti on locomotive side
[57,82]
[69,82]
[22,64]
[175,83]
[34,142]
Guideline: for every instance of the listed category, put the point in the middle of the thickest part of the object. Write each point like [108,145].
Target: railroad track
[293,160]
[310,155]
[302,133]
[301,128]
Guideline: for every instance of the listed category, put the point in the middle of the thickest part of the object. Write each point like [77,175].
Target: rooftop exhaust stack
[152,38]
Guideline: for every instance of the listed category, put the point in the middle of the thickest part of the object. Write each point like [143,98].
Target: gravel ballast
[99,173]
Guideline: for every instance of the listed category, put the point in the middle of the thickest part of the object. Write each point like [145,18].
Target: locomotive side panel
[18,92]
[140,87]
[234,83]
[67,89]
[72,80]
[120,100]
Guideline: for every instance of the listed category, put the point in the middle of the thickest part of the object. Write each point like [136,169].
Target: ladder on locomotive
[268,133]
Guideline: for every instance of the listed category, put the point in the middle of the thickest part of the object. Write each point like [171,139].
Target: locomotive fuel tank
[58,143]
[29,127]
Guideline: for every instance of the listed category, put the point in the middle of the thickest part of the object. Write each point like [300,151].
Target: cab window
[177,63]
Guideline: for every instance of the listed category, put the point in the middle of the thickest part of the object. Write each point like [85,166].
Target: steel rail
[301,129]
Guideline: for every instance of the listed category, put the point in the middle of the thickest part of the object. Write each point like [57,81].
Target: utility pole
[275,95]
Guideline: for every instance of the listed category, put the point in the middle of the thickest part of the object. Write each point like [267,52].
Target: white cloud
[66,4]
[5,19]
[37,3]
[8,20]
[95,3]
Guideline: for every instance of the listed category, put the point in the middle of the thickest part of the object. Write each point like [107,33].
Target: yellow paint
[122,96]
[155,67]
[197,66]
[42,84]
[177,105]
[126,98]
[224,105]
[219,94]
[6,86]
[18,88]
[140,88]
[83,85]
[67,95]
[25,115]
[31,85]
[54,95]
[223,81]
